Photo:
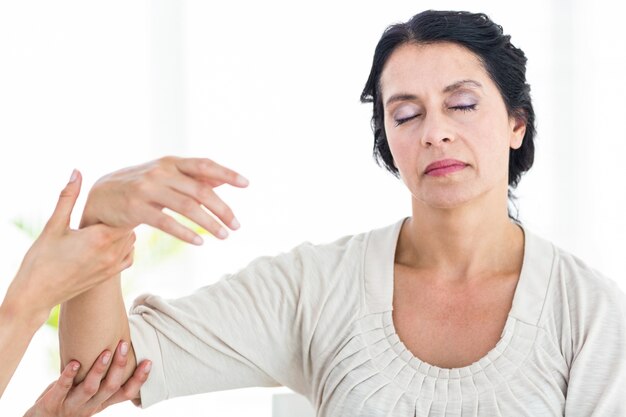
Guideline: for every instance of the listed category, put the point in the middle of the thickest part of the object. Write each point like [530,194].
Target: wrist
[19,314]
[23,305]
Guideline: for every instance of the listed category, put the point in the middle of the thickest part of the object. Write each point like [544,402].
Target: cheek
[402,151]
[491,147]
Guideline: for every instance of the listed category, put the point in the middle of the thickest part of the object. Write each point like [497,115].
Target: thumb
[60,219]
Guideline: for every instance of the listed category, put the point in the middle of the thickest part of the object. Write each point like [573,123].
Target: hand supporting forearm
[59,265]
[96,320]
[92,322]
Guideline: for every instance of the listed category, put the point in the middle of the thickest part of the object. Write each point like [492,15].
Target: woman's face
[446,124]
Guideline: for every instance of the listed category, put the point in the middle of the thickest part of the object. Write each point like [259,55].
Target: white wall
[271,89]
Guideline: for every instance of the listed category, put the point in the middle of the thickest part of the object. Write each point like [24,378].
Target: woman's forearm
[17,328]
[92,322]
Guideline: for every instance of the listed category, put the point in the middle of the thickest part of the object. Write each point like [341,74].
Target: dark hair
[505,64]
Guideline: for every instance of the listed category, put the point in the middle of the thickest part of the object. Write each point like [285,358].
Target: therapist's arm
[59,265]
[96,319]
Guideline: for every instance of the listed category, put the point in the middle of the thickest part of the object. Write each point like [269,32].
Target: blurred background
[272,89]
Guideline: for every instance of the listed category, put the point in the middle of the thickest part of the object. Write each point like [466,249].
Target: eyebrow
[452,87]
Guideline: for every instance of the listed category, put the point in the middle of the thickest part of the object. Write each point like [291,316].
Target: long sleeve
[257,327]
[597,380]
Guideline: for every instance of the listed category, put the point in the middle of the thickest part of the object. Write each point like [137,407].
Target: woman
[457,310]
[61,264]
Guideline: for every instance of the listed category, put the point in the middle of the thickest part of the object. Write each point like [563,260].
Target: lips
[444,166]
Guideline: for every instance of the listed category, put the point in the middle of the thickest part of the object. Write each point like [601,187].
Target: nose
[435,130]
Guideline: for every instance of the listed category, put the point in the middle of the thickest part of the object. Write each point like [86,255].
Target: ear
[518,130]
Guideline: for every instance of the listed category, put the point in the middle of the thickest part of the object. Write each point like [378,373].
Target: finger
[192,210]
[219,208]
[60,218]
[131,389]
[126,263]
[156,218]
[203,193]
[210,171]
[58,391]
[128,247]
[124,244]
[114,378]
[90,385]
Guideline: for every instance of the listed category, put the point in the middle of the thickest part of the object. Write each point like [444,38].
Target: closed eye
[406,119]
[469,107]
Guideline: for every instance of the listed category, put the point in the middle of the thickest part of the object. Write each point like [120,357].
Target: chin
[445,198]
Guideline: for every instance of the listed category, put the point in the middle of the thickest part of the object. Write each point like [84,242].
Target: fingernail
[235,224]
[106,358]
[222,233]
[243,181]
[74,176]
[124,349]
[75,366]
[197,240]
[148,367]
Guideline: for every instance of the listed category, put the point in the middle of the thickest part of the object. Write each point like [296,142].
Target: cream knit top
[318,319]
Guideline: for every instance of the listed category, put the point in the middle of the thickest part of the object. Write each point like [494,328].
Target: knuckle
[109,259]
[155,172]
[188,205]
[204,193]
[65,193]
[139,187]
[91,388]
[206,165]
[111,386]
[133,205]
[65,385]
[163,222]
[226,213]
[128,392]
[99,237]
[166,160]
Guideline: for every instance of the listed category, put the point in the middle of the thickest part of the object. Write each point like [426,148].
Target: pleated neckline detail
[373,373]
[445,373]
[528,299]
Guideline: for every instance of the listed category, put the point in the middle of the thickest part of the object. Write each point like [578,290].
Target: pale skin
[183,185]
[101,388]
[458,257]
[59,265]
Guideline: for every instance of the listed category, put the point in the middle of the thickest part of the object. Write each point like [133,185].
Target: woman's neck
[461,244]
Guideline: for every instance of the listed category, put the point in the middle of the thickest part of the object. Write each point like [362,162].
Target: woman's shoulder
[578,302]
[582,280]
[548,263]
[347,251]
[576,293]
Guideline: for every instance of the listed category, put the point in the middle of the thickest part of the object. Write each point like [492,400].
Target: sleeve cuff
[146,346]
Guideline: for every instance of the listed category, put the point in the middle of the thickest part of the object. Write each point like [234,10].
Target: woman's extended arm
[61,264]
[97,319]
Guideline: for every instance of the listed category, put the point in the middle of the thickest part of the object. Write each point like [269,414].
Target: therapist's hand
[63,262]
[64,399]
[136,195]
